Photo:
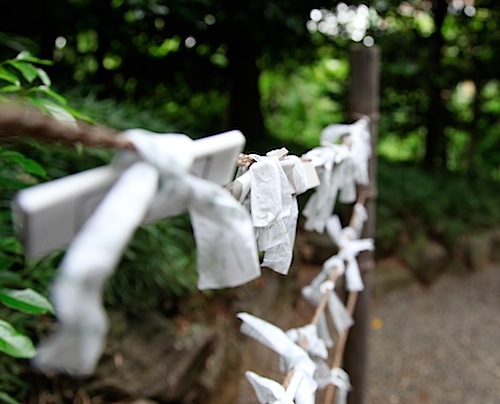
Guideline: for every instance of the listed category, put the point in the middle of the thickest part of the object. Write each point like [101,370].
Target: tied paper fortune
[78,342]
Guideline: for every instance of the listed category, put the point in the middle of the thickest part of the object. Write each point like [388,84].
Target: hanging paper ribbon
[89,261]
[225,241]
[357,136]
[307,338]
[349,250]
[271,392]
[293,356]
[227,253]
[272,183]
[341,318]
[338,377]
[343,166]
[321,203]
[359,217]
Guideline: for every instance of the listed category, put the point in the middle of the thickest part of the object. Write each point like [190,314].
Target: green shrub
[442,205]
[158,266]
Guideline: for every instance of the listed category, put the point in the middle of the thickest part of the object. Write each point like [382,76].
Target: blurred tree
[143,47]
[439,79]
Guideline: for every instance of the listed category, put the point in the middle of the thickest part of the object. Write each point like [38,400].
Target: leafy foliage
[24,79]
[412,200]
[165,249]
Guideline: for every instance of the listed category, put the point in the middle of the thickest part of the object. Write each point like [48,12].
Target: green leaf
[9,77]
[51,93]
[8,276]
[29,165]
[79,115]
[10,245]
[5,398]
[29,72]
[9,183]
[28,57]
[10,89]
[26,300]
[57,112]
[14,343]
[5,263]
[42,74]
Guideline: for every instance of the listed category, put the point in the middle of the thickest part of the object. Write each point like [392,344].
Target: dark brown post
[363,101]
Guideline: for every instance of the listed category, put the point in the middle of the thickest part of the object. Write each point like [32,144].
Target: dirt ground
[438,344]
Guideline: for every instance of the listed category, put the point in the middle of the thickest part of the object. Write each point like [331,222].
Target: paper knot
[327,286]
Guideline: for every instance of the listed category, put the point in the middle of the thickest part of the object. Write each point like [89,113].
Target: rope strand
[16,121]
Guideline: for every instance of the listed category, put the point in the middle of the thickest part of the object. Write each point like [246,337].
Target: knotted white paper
[325,376]
[349,250]
[225,240]
[313,292]
[293,356]
[273,185]
[279,257]
[343,166]
[341,318]
[340,379]
[270,391]
[322,202]
[307,338]
[358,138]
[271,194]
[227,254]
[90,259]
[360,215]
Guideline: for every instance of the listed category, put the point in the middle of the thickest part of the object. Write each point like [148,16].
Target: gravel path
[439,344]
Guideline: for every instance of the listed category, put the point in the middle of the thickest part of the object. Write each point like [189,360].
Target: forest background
[279,72]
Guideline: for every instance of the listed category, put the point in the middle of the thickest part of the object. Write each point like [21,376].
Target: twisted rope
[17,120]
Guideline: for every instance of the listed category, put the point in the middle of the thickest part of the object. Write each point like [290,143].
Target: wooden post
[363,101]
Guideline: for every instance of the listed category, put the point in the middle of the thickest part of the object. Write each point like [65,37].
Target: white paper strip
[349,252]
[270,391]
[271,194]
[293,357]
[307,337]
[91,258]
[360,216]
[340,316]
[340,379]
[343,166]
[279,257]
[225,241]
